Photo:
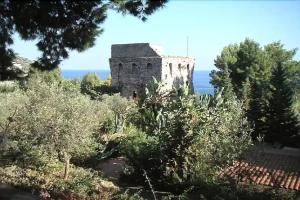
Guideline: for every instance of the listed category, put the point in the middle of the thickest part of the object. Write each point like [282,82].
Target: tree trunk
[116,123]
[67,166]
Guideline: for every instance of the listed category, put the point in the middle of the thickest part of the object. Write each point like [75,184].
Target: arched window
[149,67]
[179,67]
[188,71]
[134,68]
[170,67]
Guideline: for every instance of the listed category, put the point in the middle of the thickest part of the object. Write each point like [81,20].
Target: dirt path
[112,168]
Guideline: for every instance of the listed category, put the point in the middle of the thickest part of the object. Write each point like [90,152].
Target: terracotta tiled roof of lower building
[277,168]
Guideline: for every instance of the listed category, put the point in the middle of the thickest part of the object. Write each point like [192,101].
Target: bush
[47,76]
[89,83]
[223,137]
[121,108]
[140,149]
[94,87]
[182,140]
[106,89]
[8,86]
[70,85]
[10,104]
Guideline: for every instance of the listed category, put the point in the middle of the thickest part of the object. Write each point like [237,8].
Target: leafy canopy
[249,70]
[60,26]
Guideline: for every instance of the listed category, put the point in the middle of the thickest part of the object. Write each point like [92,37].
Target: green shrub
[94,87]
[47,76]
[10,104]
[139,149]
[89,83]
[224,136]
[106,89]
[183,140]
[8,86]
[121,108]
[71,85]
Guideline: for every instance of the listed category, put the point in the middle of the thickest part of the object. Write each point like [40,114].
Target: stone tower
[132,66]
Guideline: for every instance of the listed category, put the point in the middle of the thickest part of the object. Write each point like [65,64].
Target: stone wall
[177,71]
[133,74]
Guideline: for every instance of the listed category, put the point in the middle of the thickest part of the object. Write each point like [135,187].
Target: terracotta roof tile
[278,170]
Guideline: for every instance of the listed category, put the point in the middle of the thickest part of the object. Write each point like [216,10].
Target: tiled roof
[272,169]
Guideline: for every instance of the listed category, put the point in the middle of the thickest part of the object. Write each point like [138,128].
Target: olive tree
[56,123]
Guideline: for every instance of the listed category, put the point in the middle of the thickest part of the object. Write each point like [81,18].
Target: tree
[227,85]
[281,121]
[243,62]
[250,70]
[227,59]
[53,124]
[257,111]
[60,26]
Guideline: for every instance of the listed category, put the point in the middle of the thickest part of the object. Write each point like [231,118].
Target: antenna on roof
[187,46]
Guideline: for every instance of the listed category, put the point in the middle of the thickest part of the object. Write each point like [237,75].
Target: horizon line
[107,69]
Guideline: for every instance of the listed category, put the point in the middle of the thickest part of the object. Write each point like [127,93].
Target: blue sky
[210,25]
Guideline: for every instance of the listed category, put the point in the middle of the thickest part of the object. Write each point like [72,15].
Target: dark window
[179,68]
[166,76]
[120,67]
[170,67]
[149,67]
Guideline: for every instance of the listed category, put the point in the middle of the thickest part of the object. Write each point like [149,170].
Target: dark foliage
[248,67]
[60,26]
[281,120]
[257,110]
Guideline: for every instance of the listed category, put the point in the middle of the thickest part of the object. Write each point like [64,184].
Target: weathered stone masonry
[133,66]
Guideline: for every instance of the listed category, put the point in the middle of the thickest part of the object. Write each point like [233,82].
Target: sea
[200,79]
